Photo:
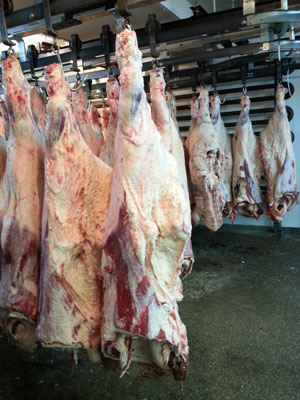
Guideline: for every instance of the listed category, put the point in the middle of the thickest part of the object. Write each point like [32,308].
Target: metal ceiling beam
[208,24]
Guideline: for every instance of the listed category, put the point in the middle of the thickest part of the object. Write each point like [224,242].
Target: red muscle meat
[77,187]
[247,166]
[21,204]
[145,236]
[279,161]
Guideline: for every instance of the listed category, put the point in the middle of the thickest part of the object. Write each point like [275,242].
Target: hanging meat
[206,165]
[110,122]
[94,118]
[247,167]
[77,187]
[164,117]
[84,122]
[38,108]
[225,145]
[146,234]
[279,161]
[21,209]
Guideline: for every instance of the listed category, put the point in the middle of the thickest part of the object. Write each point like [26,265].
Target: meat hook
[126,24]
[77,88]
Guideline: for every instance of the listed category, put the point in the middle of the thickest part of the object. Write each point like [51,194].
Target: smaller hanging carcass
[279,162]
[206,165]
[247,166]
[224,141]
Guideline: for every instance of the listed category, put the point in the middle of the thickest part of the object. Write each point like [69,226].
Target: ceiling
[165,11]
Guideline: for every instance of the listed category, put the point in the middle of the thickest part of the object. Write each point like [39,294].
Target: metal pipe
[214,6]
[284,4]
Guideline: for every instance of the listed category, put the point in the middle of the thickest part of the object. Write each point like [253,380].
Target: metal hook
[47,16]
[152,27]
[123,10]
[3,29]
[32,55]
[194,85]
[79,84]
[107,38]
[126,24]
[244,72]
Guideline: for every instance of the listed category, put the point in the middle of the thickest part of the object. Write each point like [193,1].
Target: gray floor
[242,311]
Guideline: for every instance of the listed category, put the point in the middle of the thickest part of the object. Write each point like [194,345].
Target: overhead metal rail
[199,26]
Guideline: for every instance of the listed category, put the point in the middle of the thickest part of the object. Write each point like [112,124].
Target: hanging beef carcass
[146,234]
[247,167]
[94,118]
[38,108]
[110,121]
[279,161]
[21,209]
[164,117]
[84,122]
[206,165]
[225,145]
[77,187]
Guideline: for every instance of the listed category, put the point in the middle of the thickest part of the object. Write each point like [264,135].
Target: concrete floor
[242,311]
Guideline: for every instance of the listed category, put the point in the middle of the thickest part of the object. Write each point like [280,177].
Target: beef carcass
[94,118]
[77,187]
[21,208]
[247,167]
[206,164]
[112,90]
[84,122]
[164,117]
[225,145]
[279,162]
[38,108]
[145,236]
